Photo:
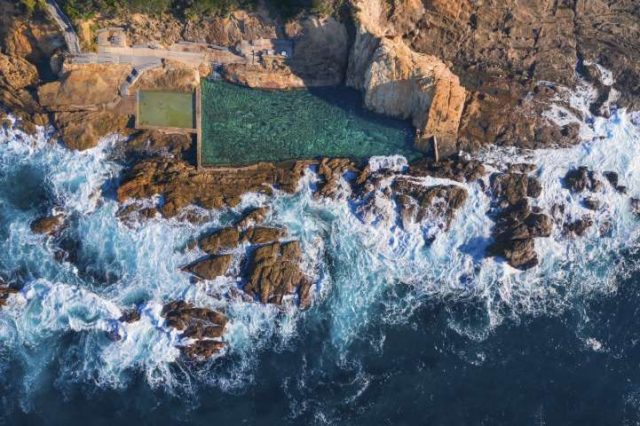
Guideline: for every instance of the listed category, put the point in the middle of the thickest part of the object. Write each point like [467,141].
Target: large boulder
[210,268]
[275,273]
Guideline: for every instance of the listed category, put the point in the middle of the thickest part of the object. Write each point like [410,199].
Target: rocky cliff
[508,55]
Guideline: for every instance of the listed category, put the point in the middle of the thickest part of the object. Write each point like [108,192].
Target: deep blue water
[536,371]
[401,331]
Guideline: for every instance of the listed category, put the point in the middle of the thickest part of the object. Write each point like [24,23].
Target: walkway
[70,36]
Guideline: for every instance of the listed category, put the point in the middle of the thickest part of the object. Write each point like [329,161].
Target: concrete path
[70,36]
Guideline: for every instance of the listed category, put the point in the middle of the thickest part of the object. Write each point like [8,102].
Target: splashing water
[368,272]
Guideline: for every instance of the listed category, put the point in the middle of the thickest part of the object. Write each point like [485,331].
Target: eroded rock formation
[202,327]
[517,223]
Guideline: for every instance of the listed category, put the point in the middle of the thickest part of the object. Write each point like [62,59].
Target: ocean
[408,326]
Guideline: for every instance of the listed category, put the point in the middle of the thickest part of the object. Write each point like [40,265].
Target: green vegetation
[190,9]
[243,126]
[31,5]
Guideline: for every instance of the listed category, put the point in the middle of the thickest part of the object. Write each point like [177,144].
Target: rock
[418,201]
[210,268]
[534,187]
[456,169]
[81,130]
[224,239]
[203,325]
[612,178]
[517,223]
[331,171]
[5,292]
[17,73]
[83,87]
[48,225]
[130,315]
[181,184]
[203,349]
[579,227]
[253,217]
[514,235]
[275,273]
[635,205]
[520,254]
[591,203]
[512,187]
[582,179]
[263,234]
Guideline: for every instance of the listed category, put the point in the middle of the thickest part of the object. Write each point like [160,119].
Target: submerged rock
[5,292]
[130,315]
[48,225]
[579,227]
[582,179]
[253,217]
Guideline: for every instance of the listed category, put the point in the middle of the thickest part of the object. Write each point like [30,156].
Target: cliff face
[510,56]
[401,82]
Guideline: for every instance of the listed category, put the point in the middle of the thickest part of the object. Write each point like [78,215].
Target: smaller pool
[158,108]
[242,126]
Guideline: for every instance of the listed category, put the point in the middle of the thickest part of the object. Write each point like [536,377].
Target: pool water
[243,126]
[157,108]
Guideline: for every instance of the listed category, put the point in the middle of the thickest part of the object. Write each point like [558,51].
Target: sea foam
[369,270]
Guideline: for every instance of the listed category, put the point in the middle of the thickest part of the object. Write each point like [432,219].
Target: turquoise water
[244,126]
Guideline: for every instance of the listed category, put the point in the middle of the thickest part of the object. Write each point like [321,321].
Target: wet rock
[418,201]
[635,205]
[253,217]
[275,273]
[331,172]
[612,178]
[511,187]
[202,349]
[182,185]
[5,292]
[579,227]
[517,223]
[458,169]
[224,239]
[582,179]
[48,225]
[210,267]
[520,254]
[204,326]
[263,234]
[591,203]
[534,187]
[130,315]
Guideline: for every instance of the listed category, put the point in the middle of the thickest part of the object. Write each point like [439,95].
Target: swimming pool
[241,126]
[166,109]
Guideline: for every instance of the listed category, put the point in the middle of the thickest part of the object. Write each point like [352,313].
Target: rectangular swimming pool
[242,126]
[166,109]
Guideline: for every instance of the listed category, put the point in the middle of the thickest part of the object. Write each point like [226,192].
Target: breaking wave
[369,270]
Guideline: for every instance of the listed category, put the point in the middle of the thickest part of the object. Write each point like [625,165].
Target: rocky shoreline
[446,67]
